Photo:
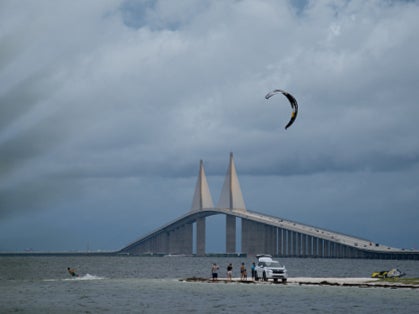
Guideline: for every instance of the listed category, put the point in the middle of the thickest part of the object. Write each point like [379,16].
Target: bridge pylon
[202,200]
[231,195]
[202,196]
[231,198]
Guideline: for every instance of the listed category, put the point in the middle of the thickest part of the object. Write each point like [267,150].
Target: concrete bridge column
[321,247]
[258,238]
[293,243]
[280,242]
[303,245]
[200,236]
[339,250]
[350,252]
[173,241]
[299,245]
[179,240]
[170,236]
[250,237]
[347,252]
[270,240]
[230,234]
[188,239]
[284,242]
[332,249]
[156,244]
[145,248]
[245,235]
[290,244]
[309,245]
[164,243]
[184,239]
[335,250]
[342,251]
[326,248]
[315,247]
[152,243]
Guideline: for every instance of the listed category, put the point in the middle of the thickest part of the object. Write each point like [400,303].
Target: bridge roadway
[298,235]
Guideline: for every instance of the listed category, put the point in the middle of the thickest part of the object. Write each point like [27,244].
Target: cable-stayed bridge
[259,233]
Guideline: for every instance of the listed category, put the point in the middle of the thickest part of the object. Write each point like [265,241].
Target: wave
[88,277]
[79,278]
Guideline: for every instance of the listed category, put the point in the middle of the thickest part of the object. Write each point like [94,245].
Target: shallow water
[150,285]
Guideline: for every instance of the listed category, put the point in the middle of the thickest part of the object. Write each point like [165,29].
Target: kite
[292,100]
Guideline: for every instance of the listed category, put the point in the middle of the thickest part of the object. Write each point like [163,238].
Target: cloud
[110,91]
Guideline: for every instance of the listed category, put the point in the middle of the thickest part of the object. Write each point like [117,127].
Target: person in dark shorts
[243,272]
[253,270]
[214,271]
[229,271]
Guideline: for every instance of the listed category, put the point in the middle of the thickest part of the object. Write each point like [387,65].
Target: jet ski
[392,273]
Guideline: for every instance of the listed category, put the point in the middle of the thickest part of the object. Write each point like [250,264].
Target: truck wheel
[275,279]
[256,277]
[284,280]
[264,277]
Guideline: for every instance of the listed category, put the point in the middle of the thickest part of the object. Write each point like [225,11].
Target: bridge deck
[342,240]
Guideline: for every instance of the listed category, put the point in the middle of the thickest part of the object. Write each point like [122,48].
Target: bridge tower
[202,200]
[231,198]
[202,196]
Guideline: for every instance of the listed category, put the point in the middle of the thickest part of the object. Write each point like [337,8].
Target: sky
[107,107]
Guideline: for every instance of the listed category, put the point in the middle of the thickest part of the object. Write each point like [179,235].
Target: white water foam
[79,278]
[89,277]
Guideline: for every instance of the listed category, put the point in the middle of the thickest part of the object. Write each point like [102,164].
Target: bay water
[129,284]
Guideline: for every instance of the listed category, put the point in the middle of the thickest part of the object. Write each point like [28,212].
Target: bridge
[259,233]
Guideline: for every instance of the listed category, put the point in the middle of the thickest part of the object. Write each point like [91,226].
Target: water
[121,284]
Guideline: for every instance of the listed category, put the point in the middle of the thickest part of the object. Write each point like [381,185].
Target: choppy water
[150,285]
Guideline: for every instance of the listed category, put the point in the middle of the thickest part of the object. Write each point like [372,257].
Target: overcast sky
[106,108]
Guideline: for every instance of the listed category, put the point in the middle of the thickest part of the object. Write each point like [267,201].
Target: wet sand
[326,281]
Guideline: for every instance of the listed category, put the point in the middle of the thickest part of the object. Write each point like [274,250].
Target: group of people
[243,271]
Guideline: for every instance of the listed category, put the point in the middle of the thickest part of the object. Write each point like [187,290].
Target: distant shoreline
[116,253]
[58,254]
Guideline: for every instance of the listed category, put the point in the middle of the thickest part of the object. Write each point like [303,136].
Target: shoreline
[315,281]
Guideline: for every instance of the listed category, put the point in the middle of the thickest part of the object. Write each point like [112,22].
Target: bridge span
[259,233]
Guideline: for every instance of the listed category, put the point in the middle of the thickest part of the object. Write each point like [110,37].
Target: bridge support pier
[200,236]
[259,238]
[180,240]
[230,234]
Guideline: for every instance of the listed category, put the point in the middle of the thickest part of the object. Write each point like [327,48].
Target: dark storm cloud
[34,196]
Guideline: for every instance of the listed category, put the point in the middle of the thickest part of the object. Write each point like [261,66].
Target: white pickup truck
[267,268]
